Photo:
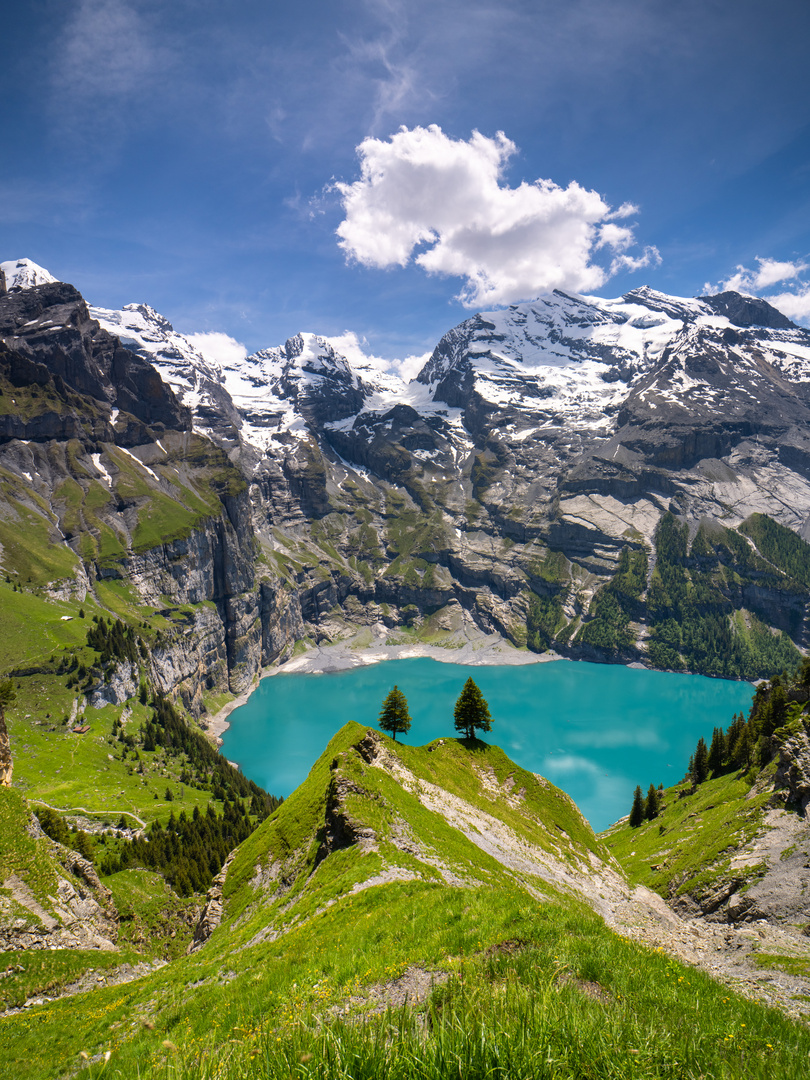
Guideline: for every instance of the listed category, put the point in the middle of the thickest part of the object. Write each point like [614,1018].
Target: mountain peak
[150,316]
[25,274]
[745,311]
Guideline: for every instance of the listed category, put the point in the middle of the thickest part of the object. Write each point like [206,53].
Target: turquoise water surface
[595,730]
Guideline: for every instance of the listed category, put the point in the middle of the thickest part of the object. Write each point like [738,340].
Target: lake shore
[475,649]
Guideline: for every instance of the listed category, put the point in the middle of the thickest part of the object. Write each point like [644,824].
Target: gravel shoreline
[475,650]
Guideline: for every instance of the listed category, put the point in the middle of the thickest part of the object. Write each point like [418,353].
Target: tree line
[693,594]
[189,852]
[168,728]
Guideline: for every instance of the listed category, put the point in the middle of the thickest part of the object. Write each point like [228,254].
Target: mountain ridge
[457,872]
[556,433]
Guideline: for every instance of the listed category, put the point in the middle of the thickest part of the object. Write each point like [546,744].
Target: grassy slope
[535,988]
[23,857]
[688,847]
[54,766]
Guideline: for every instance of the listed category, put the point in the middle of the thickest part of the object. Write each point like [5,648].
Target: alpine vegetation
[557,478]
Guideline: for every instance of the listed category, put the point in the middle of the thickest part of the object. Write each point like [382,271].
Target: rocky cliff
[251,503]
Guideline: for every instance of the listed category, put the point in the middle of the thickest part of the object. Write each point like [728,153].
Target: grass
[686,845]
[70,771]
[23,857]
[288,984]
[30,552]
[32,627]
[154,921]
[792,965]
[48,971]
[545,816]
[533,991]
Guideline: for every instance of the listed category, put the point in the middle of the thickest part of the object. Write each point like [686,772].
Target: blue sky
[257,169]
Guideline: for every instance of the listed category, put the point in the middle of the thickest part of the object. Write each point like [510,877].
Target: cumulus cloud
[348,344]
[219,348]
[441,202]
[769,272]
[794,303]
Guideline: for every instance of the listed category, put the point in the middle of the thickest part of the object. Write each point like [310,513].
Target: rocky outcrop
[211,915]
[340,828]
[51,325]
[6,762]
[118,686]
[747,311]
[792,779]
[78,914]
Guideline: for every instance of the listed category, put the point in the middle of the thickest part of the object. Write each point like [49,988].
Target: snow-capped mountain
[273,394]
[564,397]
[196,381]
[535,445]
[24,274]
[562,363]
[573,360]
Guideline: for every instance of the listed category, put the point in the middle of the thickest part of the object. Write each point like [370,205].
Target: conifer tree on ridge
[394,716]
[471,711]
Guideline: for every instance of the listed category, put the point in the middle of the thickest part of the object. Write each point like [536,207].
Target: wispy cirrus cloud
[442,204]
[109,49]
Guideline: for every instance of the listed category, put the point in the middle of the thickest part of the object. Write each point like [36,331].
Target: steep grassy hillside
[730,839]
[411,912]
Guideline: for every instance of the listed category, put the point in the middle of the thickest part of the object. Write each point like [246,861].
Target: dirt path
[90,813]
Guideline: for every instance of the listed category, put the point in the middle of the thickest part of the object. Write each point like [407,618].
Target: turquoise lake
[595,730]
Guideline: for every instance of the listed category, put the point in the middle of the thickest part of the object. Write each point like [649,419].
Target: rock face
[52,322]
[211,915]
[793,772]
[536,445]
[70,910]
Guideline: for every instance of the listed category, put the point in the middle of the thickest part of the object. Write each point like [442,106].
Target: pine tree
[735,730]
[651,805]
[637,812]
[700,768]
[395,716]
[774,713]
[717,751]
[471,711]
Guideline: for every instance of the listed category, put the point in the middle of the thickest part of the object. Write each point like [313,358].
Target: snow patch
[25,274]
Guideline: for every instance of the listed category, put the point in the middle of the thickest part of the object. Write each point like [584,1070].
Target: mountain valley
[626,481]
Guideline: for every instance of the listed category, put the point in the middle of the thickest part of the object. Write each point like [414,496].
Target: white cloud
[650,256]
[769,272]
[219,348]
[348,344]
[794,305]
[423,190]
[410,367]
